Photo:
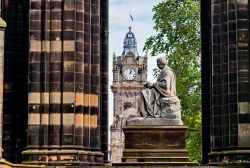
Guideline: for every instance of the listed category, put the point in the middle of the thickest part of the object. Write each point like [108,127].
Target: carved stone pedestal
[76,158]
[155,144]
[230,157]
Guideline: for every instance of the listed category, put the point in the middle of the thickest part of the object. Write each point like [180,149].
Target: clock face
[129,74]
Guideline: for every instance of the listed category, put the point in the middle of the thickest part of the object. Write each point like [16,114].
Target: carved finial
[130,28]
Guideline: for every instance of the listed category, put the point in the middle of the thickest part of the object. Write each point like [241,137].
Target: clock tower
[129,76]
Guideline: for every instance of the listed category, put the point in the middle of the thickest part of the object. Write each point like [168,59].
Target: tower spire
[130,44]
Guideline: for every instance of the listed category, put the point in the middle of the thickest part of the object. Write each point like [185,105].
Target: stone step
[155,164]
[155,159]
[154,153]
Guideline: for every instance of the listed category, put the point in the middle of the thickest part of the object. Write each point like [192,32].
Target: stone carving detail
[159,100]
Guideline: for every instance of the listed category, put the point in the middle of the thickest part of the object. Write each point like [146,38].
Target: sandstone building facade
[129,76]
[55,94]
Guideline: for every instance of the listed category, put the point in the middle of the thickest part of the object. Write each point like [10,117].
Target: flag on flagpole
[131,17]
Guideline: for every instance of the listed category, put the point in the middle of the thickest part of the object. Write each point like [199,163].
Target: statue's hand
[149,85]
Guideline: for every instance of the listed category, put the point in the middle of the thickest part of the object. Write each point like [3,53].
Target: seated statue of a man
[159,100]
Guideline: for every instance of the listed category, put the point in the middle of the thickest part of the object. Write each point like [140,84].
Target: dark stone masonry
[225,81]
[54,86]
[55,99]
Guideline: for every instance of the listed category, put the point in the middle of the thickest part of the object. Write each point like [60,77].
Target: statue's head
[161,62]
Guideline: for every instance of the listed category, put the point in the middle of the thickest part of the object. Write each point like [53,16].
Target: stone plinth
[230,157]
[154,144]
[137,121]
[6,164]
[75,158]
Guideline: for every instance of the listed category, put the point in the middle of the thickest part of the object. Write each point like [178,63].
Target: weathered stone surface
[2,27]
[6,164]
[159,99]
[153,121]
[244,134]
[62,158]
[155,137]
[225,82]
[171,108]
[230,157]
[160,144]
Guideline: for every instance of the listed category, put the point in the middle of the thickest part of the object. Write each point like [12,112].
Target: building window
[119,152]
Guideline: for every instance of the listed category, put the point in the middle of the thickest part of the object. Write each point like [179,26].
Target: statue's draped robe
[149,102]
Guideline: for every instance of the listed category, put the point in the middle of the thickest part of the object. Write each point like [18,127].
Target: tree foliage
[177,25]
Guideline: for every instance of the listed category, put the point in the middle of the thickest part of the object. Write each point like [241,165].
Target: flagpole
[132,20]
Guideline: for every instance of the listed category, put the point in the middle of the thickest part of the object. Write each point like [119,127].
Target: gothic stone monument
[55,94]
[157,136]
[225,82]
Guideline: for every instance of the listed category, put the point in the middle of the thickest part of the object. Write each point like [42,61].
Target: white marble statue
[159,100]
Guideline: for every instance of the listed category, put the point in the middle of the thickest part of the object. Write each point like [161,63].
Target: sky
[142,27]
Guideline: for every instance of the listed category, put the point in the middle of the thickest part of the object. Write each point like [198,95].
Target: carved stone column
[2,29]
[225,82]
[64,83]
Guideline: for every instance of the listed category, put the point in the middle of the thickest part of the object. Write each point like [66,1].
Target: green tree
[177,25]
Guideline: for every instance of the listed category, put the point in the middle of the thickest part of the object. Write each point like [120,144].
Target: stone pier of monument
[225,82]
[55,90]
[2,29]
